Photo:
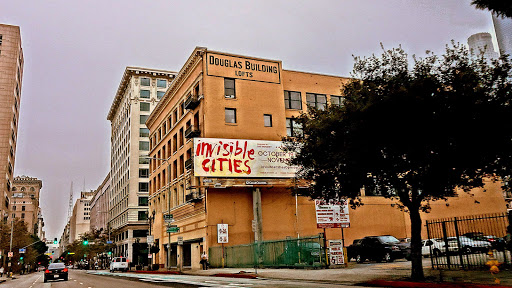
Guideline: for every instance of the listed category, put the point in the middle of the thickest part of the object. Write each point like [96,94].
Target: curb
[157,272]
[235,275]
[407,284]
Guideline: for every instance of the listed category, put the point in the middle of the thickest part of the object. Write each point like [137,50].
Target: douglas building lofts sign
[243,68]
[214,157]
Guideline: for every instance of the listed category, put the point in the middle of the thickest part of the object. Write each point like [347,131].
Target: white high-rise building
[503,30]
[138,93]
[482,42]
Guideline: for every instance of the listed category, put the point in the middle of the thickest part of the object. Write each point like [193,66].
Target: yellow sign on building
[243,68]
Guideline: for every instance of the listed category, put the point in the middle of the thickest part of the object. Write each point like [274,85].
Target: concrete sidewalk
[356,274]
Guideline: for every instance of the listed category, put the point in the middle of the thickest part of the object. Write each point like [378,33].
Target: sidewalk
[398,272]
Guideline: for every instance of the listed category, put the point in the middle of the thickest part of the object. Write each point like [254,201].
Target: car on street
[434,246]
[380,248]
[352,248]
[56,271]
[497,243]
[468,245]
[119,264]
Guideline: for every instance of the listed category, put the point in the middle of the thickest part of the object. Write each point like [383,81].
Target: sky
[76,52]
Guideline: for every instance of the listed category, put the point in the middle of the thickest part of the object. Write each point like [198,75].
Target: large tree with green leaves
[413,133]
[500,7]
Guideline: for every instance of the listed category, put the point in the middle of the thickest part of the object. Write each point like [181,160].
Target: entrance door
[187,257]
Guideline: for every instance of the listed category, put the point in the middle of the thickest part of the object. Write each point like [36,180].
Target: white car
[119,264]
[436,245]
[469,245]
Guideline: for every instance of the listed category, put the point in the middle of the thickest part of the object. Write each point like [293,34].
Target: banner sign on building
[243,68]
[222,233]
[336,252]
[214,157]
[332,214]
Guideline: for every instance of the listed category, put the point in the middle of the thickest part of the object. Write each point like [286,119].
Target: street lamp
[169,204]
[151,218]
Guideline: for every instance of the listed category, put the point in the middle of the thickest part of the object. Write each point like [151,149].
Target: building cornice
[128,72]
[195,57]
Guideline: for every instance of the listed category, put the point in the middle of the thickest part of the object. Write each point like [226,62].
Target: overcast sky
[76,51]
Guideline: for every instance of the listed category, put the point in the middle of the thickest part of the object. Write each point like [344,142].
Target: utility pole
[10,247]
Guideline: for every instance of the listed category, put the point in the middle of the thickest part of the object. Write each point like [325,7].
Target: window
[22,215]
[143,119]
[292,100]
[144,145]
[160,94]
[143,187]
[144,94]
[144,81]
[229,88]
[23,208]
[230,115]
[316,100]
[0,39]
[143,215]
[13,208]
[267,120]
[293,128]
[144,106]
[161,83]
[143,201]
[336,100]
[140,233]
[144,132]
[143,173]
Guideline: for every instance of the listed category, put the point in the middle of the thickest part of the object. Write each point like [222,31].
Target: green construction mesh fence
[297,252]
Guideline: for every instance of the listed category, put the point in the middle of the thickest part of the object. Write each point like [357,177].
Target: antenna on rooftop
[70,207]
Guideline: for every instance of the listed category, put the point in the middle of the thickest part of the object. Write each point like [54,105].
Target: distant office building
[24,202]
[482,42]
[99,206]
[503,29]
[11,73]
[138,93]
[80,220]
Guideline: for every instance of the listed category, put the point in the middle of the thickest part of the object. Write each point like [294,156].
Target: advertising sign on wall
[332,214]
[214,157]
[243,68]
[222,233]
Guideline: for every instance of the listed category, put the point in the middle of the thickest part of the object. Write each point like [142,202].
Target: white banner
[336,252]
[214,157]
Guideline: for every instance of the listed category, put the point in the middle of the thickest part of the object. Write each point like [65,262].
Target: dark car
[497,243]
[380,248]
[56,271]
[353,248]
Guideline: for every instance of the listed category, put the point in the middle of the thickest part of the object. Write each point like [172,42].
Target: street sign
[332,214]
[150,256]
[23,250]
[109,242]
[10,254]
[168,217]
[336,252]
[180,240]
[150,240]
[222,233]
[173,229]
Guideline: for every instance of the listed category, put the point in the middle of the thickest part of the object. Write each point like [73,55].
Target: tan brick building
[236,108]
[11,74]
[24,202]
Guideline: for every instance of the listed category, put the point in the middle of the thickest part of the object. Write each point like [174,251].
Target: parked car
[468,245]
[119,264]
[497,243]
[434,246]
[380,248]
[352,249]
[56,271]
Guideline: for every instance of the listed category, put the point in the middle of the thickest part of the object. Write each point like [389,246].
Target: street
[81,278]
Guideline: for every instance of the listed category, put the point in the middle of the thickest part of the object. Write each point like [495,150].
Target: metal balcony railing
[192,132]
[191,102]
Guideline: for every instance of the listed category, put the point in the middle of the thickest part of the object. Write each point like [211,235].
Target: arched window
[13,188]
[22,189]
[32,189]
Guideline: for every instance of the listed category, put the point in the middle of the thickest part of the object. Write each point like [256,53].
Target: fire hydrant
[493,267]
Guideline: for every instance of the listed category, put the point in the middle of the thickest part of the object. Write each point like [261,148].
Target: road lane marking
[81,283]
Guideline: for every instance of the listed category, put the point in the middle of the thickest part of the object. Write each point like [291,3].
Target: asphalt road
[80,278]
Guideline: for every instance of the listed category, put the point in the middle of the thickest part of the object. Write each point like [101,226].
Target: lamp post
[151,218]
[169,204]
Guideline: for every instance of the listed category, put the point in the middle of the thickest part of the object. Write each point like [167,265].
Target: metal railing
[465,242]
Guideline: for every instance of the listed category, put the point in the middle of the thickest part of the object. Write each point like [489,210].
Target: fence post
[461,259]
[430,248]
[445,238]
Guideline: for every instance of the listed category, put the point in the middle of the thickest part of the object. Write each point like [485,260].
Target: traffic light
[21,257]
[55,241]
[86,242]
[109,253]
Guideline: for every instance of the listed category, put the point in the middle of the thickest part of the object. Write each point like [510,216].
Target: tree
[500,7]
[413,134]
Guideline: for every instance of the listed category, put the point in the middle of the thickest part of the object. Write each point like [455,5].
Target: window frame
[144,97]
[316,102]
[288,101]
[226,89]
[142,80]
[158,81]
[226,116]
[265,120]
[293,126]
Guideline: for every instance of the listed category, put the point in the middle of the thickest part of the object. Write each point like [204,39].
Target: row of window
[146,94]
[147,82]
[293,128]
